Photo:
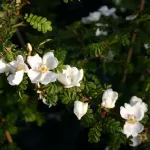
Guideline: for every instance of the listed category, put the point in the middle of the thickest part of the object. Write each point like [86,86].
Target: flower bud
[29,47]
[80,109]
[109,98]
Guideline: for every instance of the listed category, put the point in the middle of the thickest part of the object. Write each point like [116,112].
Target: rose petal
[20,59]
[134,100]
[48,77]
[138,113]
[50,61]
[79,76]
[63,79]
[136,141]
[2,66]
[34,61]
[132,129]
[16,78]
[123,112]
[34,76]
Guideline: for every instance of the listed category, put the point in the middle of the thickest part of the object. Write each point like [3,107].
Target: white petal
[103,8]
[94,16]
[68,86]
[123,113]
[67,71]
[63,79]
[44,101]
[2,66]
[136,141]
[20,59]
[34,61]
[16,78]
[50,61]
[129,108]
[26,69]
[80,109]
[12,66]
[146,46]
[34,76]
[131,17]
[48,77]
[98,32]
[138,101]
[134,100]
[132,129]
[78,77]
[112,10]
[144,107]
[85,108]
[138,113]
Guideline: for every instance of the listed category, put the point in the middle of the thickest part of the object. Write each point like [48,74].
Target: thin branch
[132,42]
[7,134]
[8,137]
[129,57]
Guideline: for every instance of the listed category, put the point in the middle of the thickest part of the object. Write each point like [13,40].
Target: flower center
[131,119]
[19,68]
[43,68]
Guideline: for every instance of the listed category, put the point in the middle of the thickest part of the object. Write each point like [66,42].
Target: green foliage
[111,126]
[145,119]
[66,1]
[38,22]
[95,133]
[88,119]
[77,45]
[116,140]
[68,97]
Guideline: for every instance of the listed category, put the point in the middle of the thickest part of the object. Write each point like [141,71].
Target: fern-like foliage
[38,22]
[95,133]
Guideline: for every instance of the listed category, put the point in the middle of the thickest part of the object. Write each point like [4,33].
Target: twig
[132,41]
[129,57]
[8,136]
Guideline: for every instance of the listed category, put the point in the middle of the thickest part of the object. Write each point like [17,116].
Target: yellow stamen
[131,119]
[19,68]
[43,68]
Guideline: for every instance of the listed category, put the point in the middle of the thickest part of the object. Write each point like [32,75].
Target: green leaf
[65,1]
[67,97]
[110,125]
[88,119]
[95,133]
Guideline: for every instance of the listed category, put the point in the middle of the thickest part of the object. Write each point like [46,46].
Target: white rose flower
[93,16]
[135,141]
[80,109]
[132,114]
[39,71]
[2,66]
[106,11]
[17,68]
[70,77]
[109,98]
[101,32]
[146,46]
[138,101]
